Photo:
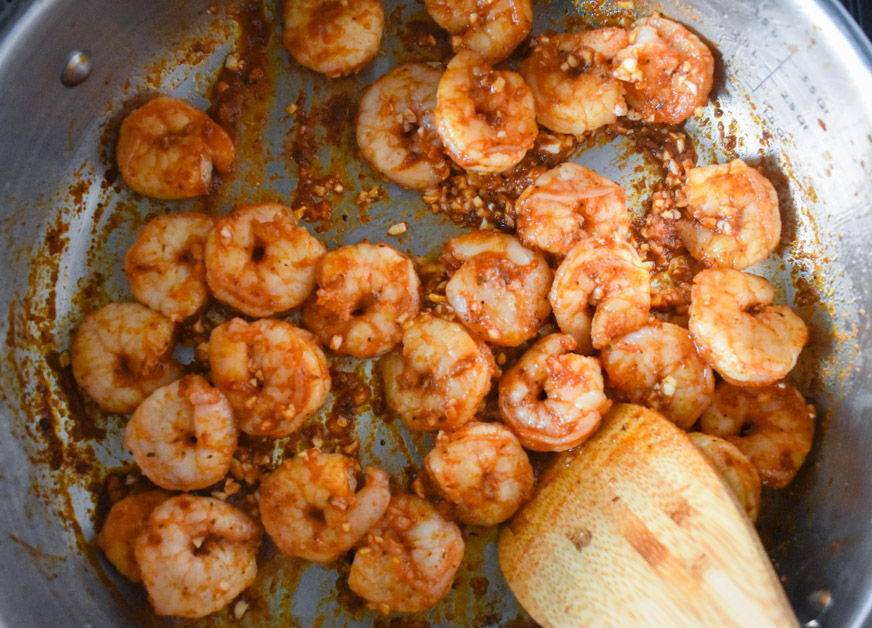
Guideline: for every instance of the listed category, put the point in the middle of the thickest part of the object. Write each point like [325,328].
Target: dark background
[862,12]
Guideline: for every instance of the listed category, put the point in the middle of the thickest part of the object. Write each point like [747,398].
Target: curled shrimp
[772,425]
[483,470]
[168,148]
[410,557]
[333,37]
[732,217]
[570,75]
[668,71]
[568,204]
[259,261]
[739,332]
[183,435]
[552,399]
[438,377]
[485,117]
[492,28]
[122,353]
[734,468]
[499,289]
[396,131]
[273,373]
[365,294]
[196,554]
[310,508]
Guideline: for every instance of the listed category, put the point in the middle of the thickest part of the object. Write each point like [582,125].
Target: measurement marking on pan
[774,70]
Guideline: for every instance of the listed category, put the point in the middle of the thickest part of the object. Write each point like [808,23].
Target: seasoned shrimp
[483,470]
[552,399]
[492,28]
[333,37]
[259,261]
[273,374]
[168,148]
[122,353]
[365,294]
[310,509]
[196,554]
[499,288]
[568,204]
[609,278]
[410,558]
[165,265]
[485,117]
[570,75]
[734,468]
[667,69]
[732,215]
[396,131]
[183,435]
[739,332]
[126,518]
[658,366]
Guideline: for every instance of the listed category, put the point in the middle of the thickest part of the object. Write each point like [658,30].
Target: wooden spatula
[636,529]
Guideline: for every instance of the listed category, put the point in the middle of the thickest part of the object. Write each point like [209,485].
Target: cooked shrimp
[658,366]
[122,353]
[492,28]
[196,554]
[165,265]
[552,399]
[365,294]
[118,535]
[273,374]
[667,69]
[183,435]
[259,261]
[333,37]
[310,509]
[570,75]
[734,468]
[499,288]
[732,215]
[483,470]
[609,278]
[396,131]
[410,558]
[568,204]
[739,332]
[168,148]
[485,117]
[772,425]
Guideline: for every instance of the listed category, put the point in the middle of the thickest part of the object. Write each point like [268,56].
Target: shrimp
[492,28]
[438,377]
[499,288]
[485,117]
[732,215]
[568,204]
[734,469]
[410,557]
[183,435]
[259,261]
[610,278]
[273,374]
[658,366]
[168,148]
[668,71]
[772,425]
[365,294]
[310,509]
[165,265]
[570,75]
[483,470]
[196,554]
[333,37]
[396,131]
[551,399]
[122,353]
[739,332]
